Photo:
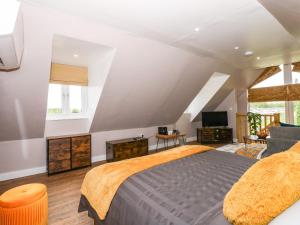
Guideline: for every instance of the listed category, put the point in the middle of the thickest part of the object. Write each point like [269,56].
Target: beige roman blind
[296,67]
[268,72]
[67,74]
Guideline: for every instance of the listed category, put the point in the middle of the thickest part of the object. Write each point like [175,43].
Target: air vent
[1,62]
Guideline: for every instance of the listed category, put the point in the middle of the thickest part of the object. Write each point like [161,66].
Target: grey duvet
[188,191]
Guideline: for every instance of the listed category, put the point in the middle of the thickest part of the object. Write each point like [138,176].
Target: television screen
[214,119]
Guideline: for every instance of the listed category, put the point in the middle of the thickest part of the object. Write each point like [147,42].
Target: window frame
[65,99]
[289,105]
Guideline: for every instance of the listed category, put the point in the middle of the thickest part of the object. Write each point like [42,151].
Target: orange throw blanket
[268,188]
[101,183]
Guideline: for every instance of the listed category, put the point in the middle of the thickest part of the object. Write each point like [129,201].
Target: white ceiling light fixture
[197,29]
[248,53]
[236,48]
[75,55]
[258,58]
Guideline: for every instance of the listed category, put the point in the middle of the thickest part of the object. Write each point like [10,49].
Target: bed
[186,191]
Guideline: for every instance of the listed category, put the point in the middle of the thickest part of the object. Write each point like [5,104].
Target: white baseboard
[37,170]
[22,173]
[98,158]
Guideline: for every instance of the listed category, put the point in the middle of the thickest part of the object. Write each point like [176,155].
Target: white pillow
[290,216]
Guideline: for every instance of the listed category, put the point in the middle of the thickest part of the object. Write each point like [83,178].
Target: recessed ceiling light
[248,53]
[197,29]
[236,48]
[75,55]
[258,58]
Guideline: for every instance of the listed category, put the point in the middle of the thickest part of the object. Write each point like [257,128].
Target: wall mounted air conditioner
[11,45]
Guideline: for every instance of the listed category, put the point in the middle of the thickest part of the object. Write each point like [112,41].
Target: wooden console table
[166,138]
[210,135]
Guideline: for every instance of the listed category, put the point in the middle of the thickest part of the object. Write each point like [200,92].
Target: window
[269,108]
[275,80]
[296,77]
[66,101]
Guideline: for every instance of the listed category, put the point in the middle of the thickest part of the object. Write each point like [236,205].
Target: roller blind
[67,74]
[290,92]
[268,72]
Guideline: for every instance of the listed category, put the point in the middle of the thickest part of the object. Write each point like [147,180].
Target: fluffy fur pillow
[266,189]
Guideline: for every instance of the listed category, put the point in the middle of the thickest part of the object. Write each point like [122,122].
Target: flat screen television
[214,119]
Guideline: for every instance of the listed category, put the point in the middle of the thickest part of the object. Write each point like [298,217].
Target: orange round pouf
[24,205]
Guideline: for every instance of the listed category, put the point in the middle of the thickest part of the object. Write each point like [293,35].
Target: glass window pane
[75,99]
[275,80]
[269,108]
[296,77]
[55,99]
[296,112]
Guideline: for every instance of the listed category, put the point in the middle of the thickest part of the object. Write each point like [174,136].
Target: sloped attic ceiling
[286,12]
[149,83]
[221,26]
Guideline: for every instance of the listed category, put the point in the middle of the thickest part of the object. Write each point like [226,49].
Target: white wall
[229,104]
[22,158]
[184,125]
[98,72]
[66,127]
[27,157]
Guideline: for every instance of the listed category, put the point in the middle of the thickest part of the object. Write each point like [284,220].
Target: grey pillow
[285,132]
[276,145]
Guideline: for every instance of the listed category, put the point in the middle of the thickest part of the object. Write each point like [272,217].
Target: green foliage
[267,105]
[254,120]
[76,111]
[54,111]
[297,112]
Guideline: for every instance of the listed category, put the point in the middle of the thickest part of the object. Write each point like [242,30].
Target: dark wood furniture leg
[157,144]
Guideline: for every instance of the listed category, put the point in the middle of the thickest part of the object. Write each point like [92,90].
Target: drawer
[82,161]
[59,149]
[59,166]
[80,154]
[120,155]
[81,144]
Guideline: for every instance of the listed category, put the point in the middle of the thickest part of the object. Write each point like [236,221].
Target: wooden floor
[63,192]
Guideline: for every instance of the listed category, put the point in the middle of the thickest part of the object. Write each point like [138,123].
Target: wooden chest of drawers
[126,148]
[68,152]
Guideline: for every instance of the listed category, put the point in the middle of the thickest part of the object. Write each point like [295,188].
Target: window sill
[66,117]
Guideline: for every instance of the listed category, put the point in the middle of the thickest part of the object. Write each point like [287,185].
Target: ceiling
[222,25]
[75,52]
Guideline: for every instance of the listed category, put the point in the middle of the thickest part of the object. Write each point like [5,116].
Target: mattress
[187,191]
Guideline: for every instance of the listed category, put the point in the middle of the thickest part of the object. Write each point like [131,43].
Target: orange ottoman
[24,205]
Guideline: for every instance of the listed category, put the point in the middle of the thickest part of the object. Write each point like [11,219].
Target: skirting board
[37,170]
[43,169]
[22,173]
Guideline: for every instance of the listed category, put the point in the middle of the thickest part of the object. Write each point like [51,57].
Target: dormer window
[67,93]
